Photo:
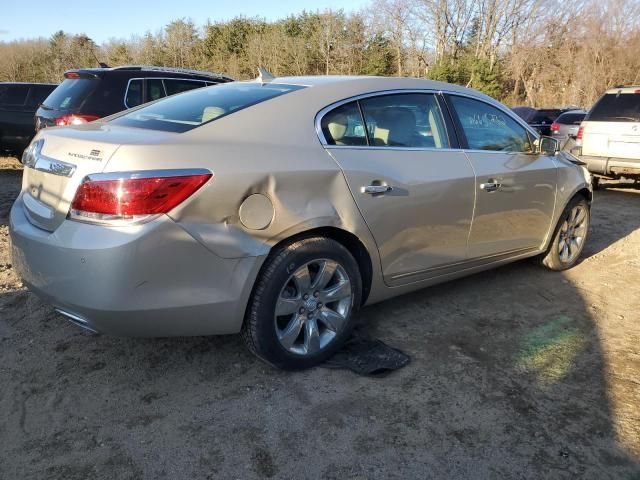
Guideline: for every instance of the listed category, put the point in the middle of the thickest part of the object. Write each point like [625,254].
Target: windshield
[70,93]
[616,107]
[189,110]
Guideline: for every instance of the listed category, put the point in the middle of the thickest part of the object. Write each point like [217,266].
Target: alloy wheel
[572,234]
[313,306]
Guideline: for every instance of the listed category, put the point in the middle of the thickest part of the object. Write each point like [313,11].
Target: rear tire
[569,236]
[302,306]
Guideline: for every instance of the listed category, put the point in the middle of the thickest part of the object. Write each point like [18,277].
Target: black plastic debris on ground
[368,356]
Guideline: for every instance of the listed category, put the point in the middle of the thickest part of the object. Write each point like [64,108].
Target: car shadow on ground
[508,380]
[620,196]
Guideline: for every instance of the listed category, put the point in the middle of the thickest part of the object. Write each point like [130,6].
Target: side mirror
[548,146]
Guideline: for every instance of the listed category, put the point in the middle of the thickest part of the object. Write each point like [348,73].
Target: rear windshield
[616,107]
[570,118]
[189,110]
[70,93]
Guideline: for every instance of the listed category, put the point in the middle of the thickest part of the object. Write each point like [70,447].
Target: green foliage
[379,56]
[469,71]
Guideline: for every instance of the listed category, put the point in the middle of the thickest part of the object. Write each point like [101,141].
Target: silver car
[279,208]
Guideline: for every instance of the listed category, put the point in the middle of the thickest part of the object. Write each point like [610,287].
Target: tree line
[530,52]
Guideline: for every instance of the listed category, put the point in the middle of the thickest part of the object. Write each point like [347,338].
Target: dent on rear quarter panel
[302,200]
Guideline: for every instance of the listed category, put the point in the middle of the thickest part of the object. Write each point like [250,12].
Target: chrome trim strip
[54,167]
[493,103]
[478,261]
[181,172]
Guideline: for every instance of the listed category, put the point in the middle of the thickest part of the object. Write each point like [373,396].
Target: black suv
[18,104]
[88,94]
[539,118]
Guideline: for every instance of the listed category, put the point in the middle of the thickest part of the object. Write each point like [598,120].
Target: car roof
[153,69]
[371,84]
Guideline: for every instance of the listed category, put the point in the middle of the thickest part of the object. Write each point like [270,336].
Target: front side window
[189,110]
[411,120]
[344,126]
[488,128]
[133,97]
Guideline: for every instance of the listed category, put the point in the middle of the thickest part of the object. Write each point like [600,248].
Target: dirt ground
[516,373]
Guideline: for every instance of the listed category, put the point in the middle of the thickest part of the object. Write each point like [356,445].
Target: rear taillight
[579,136]
[132,197]
[555,127]
[75,119]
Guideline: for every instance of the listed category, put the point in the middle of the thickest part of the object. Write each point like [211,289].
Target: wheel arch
[348,240]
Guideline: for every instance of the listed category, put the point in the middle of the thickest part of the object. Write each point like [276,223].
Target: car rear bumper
[147,280]
[612,165]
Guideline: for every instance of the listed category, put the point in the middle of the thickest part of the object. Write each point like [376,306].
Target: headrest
[209,113]
[338,126]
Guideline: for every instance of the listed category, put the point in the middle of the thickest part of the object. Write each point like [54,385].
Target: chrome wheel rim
[313,306]
[572,234]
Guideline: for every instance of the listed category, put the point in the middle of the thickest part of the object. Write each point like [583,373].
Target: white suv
[609,136]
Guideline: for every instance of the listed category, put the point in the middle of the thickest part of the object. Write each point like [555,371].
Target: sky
[105,19]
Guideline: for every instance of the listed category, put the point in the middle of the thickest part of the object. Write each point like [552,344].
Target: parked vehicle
[18,103]
[539,118]
[608,140]
[88,94]
[565,127]
[223,209]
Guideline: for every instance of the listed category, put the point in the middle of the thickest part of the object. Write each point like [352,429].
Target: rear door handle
[491,185]
[376,189]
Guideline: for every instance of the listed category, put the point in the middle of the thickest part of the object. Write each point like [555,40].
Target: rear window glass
[570,118]
[613,107]
[179,86]
[70,93]
[189,110]
[38,93]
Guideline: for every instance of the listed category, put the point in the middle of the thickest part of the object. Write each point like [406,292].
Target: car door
[515,188]
[18,126]
[414,190]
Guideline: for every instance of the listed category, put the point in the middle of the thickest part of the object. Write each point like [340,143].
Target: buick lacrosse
[279,207]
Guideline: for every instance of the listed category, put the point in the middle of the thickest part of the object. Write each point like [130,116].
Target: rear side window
[570,118]
[179,86]
[344,126]
[488,128]
[133,97]
[185,112]
[155,89]
[409,120]
[71,93]
[13,94]
[616,107]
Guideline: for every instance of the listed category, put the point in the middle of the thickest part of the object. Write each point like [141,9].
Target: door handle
[376,189]
[491,185]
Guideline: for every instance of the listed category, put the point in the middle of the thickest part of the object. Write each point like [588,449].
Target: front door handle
[376,189]
[491,185]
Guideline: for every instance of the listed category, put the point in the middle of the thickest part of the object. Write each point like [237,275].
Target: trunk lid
[67,155]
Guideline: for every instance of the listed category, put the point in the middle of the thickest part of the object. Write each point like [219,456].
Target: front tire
[569,237]
[302,306]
